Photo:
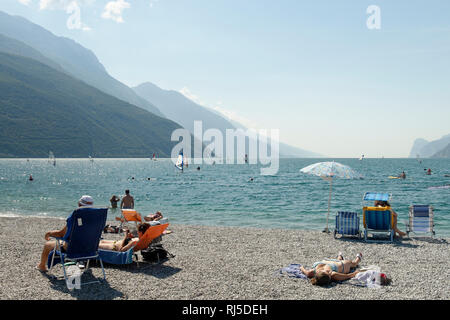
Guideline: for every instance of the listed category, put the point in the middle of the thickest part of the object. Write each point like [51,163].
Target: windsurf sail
[51,158]
[179,164]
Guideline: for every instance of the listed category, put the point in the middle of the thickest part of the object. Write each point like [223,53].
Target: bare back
[127,202]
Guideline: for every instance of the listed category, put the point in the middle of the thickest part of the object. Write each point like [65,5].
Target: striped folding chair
[347,223]
[420,220]
[378,220]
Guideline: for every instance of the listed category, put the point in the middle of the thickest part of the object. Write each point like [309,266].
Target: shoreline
[227,263]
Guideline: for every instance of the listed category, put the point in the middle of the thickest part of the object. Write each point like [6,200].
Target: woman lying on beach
[126,243]
[327,270]
[380,203]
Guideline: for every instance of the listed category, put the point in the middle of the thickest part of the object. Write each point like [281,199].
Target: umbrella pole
[329,202]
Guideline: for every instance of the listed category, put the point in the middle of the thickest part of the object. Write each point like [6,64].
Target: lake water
[222,195]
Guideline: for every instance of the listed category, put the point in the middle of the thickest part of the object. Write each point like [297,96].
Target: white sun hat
[86,201]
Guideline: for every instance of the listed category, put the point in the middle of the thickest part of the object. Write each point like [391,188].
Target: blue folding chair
[378,219]
[420,220]
[347,223]
[84,230]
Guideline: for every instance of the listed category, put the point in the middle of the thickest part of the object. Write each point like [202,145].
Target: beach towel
[293,271]
[367,277]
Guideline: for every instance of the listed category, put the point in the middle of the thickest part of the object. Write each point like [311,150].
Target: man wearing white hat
[85,201]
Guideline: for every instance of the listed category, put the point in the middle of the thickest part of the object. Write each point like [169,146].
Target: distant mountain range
[425,149]
[45,109]
[184,111]
[47,80]
[71,57]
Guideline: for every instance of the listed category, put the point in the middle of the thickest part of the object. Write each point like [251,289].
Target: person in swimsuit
[154,217]
[114,200]
[327,270]
[127,201]
[126,243]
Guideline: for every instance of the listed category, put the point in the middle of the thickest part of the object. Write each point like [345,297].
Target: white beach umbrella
[329,171]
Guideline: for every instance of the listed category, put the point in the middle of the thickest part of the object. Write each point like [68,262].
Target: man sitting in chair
[85,201]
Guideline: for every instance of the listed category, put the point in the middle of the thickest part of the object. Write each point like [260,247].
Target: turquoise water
[222,195]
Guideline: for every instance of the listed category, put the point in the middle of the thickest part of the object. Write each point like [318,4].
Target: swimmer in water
[30,178]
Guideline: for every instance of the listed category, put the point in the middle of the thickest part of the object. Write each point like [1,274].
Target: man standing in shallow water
[127,201]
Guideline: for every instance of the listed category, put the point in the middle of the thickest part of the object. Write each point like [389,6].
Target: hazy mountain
[45,109]
[72,57]
[13,46]
[417,146]
[181,109]
[444,153]
[184,111]
[427,149]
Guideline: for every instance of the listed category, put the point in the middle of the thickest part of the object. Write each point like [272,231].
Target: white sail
[51,158]
[179,163]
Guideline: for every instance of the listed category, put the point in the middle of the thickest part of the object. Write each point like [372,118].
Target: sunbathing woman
[327,270]
[154,217]
[127,242]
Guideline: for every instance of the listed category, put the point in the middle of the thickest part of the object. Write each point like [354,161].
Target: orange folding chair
[131,215]
[151,234]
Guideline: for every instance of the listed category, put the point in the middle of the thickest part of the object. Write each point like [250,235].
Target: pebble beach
[226,263]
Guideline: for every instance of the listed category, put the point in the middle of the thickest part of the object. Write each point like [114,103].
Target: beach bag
[155,253]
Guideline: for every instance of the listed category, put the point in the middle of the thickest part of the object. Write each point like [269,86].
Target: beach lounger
[420,220]
[378,220]
[84,229]
[130,215]
[347,223]
[152,235]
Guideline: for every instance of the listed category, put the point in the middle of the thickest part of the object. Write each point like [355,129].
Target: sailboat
[91,159]
[180,161]
[362,157]
[51,158]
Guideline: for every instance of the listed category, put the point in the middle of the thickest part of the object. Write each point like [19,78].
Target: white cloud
[71,7]
[113,10]
[25,2]
[55,4]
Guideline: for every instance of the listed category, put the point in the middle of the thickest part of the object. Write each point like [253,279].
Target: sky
[340,78]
